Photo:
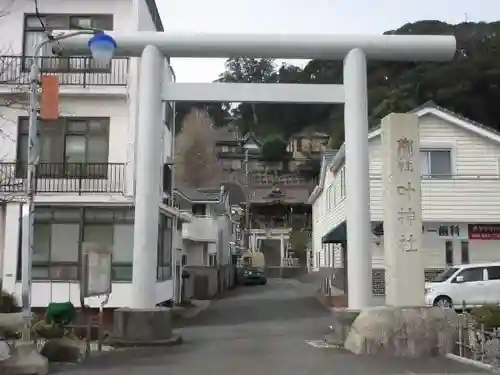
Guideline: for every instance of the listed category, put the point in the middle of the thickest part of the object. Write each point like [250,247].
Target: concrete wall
[202,283]
[206,282]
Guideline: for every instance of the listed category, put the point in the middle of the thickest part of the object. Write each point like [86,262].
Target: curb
[471,362]
[318,298]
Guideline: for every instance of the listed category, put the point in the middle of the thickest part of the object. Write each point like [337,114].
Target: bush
[274,148]
[8,303]
[488,315]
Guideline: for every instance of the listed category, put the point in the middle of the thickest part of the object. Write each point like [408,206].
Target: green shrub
[8,303]
[488,315]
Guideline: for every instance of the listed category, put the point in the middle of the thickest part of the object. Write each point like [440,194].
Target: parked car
[254,275]
[466,285]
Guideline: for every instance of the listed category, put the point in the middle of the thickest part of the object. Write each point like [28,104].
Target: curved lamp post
[102,47]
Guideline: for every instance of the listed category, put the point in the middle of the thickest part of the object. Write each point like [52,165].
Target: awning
[336,235]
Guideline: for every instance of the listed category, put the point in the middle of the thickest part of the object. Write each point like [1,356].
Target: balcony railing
[72,71]
[65,178]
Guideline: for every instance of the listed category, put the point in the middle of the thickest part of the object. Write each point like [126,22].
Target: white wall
[194,252]
[145,22]
[63,292]
[11,25]
[116,109]
[327,212]
[470,196]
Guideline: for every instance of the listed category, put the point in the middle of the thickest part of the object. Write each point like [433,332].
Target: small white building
[208,232]
[460,164]
[85,186]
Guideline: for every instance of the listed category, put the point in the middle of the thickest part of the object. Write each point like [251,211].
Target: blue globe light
[102,46]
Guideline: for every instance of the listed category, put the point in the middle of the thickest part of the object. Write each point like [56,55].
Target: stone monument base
[25,360]
[404,331]
[143,327]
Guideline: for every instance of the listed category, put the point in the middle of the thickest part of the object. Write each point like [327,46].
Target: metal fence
[77,178]
[475,341]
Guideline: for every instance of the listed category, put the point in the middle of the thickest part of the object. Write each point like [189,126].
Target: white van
[469,284]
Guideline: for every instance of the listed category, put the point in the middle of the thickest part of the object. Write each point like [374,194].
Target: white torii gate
[156,85]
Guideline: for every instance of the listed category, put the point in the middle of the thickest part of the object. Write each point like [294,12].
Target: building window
[435,163]
[204,253]
[36,29]
[236,164]
[168,114]
[199,209]
[55,252]
[56,246]
[164,262]
[465,252]
[449,253]
[212,260]
[225,148]
[69,147]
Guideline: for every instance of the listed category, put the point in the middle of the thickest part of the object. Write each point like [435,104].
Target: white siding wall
[470,197]
[145,22]
[327,214]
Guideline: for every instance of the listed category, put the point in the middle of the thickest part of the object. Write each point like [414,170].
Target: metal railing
[291,262]
[475,341]
[64,178]
[72,71]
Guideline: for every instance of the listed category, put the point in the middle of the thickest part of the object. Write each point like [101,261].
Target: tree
[219,112]
[273,148]
[469,85]
[196,161]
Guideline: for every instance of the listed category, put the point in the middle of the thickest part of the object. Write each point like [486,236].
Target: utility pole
[246,235]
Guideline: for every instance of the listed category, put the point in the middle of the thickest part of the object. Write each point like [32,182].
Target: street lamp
[102,47]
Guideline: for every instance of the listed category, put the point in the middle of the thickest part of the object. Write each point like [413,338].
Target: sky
[305,17]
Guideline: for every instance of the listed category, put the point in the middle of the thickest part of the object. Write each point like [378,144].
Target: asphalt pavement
[259,330]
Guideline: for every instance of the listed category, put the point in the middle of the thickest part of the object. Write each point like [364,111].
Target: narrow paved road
[258,330]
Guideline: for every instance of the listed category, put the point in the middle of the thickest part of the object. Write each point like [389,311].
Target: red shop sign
[484,231]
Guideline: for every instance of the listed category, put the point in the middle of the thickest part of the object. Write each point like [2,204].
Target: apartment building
[460,161]
[85,179]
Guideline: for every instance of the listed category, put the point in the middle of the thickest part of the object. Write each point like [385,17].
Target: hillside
[469,85]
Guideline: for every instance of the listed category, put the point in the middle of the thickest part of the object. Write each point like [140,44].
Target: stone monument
[405,327]
[402,210]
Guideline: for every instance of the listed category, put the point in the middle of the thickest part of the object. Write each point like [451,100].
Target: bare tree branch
[196,160]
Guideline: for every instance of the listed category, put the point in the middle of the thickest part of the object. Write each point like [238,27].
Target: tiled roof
[225,134]
[197,195]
